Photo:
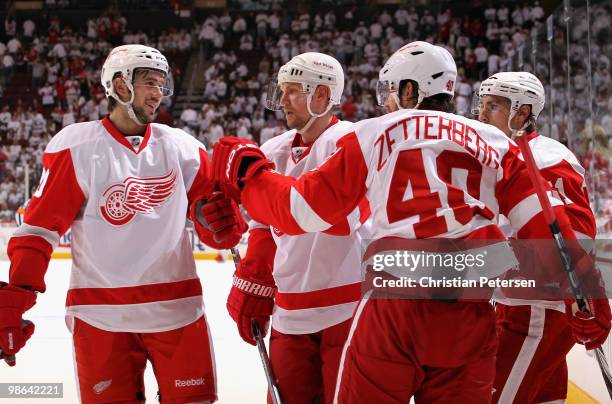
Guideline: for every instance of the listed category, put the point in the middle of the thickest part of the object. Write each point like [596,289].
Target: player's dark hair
[437,102]
[531,121]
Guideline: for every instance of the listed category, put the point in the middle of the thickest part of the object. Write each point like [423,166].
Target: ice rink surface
[48,358]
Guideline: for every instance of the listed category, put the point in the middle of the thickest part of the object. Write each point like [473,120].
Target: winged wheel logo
[121,202]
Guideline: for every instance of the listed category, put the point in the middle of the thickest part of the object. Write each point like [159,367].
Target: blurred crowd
[242,51]
[246,50]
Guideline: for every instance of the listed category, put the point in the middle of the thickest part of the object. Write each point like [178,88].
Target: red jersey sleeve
[317,200]
[202,185]
[258,262]
[51,211]
[518,200]
[570,185]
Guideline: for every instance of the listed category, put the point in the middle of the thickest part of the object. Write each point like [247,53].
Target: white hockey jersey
[133,268]
[426,174]
[560,167]
[317,274]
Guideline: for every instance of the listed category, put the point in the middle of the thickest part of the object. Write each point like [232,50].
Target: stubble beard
[297,123]
[142,115]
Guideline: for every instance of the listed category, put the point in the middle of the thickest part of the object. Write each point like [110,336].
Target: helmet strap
[421,96]
[313,116]
[395,98]
[530,121]
[128,104]
[524,126]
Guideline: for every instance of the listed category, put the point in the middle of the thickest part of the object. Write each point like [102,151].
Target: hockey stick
[261,346]
[553,225]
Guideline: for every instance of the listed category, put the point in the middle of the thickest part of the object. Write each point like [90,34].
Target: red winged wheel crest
[121,202]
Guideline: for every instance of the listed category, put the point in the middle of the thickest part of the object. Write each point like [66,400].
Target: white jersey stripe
[50,237]
[525,356]
[526,209]
[358,312]
[303,214]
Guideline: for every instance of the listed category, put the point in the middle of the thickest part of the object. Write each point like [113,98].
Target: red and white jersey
[425,174]
[560,167]
[133,268]
[317,274]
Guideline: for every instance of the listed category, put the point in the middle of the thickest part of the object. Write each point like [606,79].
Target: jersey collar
[299,149]
[119,137]
[531,135]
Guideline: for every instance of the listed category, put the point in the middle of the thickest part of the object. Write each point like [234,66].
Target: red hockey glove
[218,221]
[14,331]
[236,160]
[250,299]
[590,329]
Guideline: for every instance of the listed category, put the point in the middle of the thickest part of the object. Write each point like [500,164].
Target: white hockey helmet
[521,88]
[310,69]
[431,67]
[123,61]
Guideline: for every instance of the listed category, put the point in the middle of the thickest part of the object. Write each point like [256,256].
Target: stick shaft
[549,214]
[261,346]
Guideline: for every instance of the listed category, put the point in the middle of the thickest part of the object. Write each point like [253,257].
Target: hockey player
[427,173]
[309,283]
[125,186]
[535,336]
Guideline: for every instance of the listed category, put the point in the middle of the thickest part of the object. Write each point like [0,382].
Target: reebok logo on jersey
[121,202]
[101,386]
[189,382]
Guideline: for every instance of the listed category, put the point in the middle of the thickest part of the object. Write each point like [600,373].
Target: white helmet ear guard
[431,67]
[123,61]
